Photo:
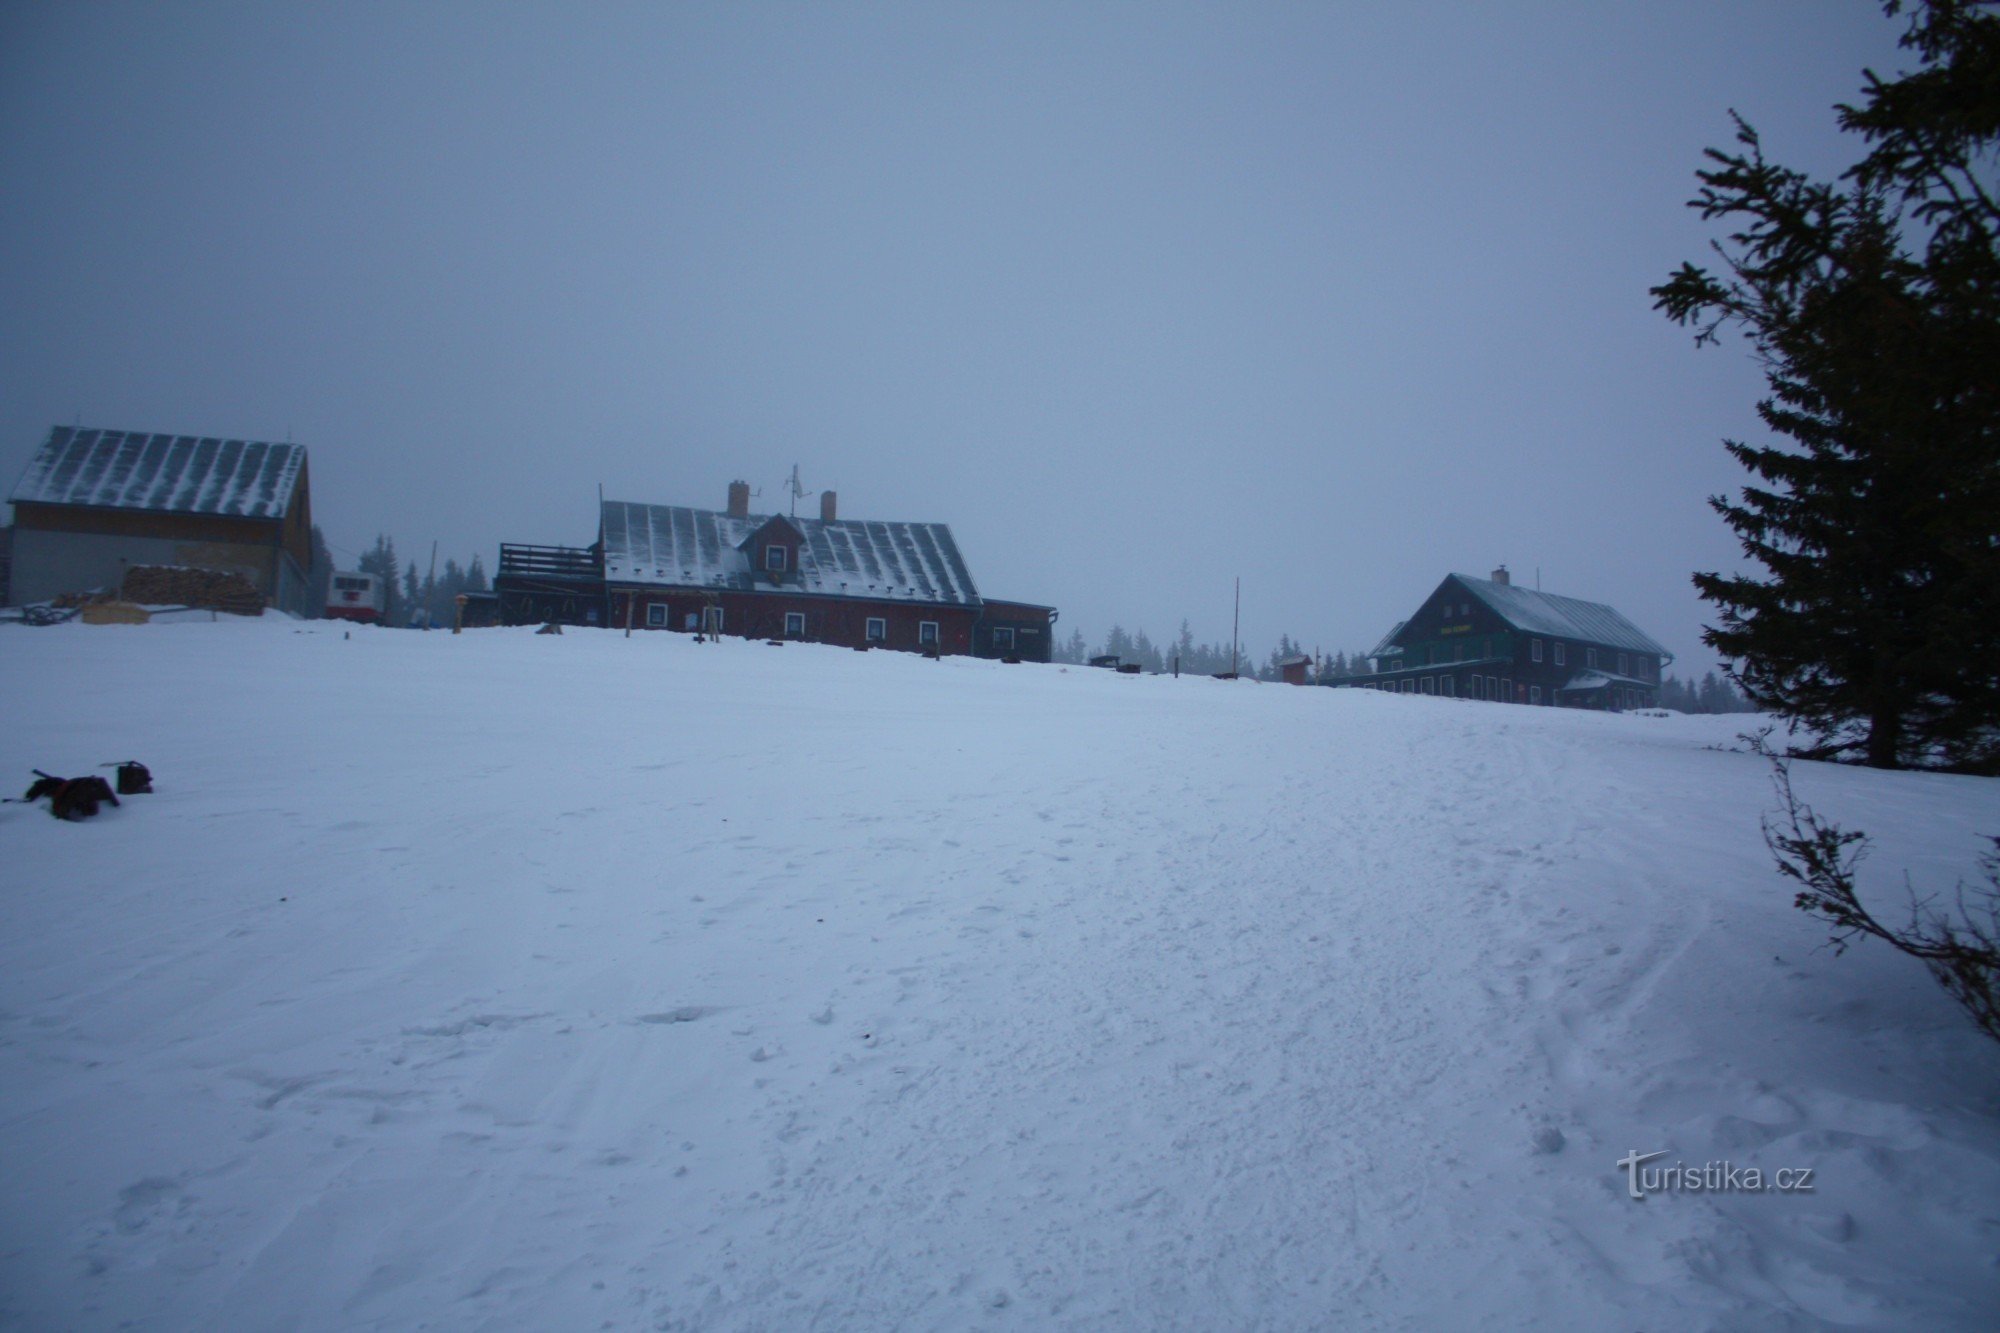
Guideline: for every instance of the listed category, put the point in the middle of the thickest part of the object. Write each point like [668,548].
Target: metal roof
[181,474]
[1535,612]
[1585,681]
[674,546]
[1389,647]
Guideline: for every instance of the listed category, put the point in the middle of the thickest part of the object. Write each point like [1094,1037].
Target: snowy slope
[517,982]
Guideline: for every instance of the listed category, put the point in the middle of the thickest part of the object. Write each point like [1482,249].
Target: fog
[1138,299]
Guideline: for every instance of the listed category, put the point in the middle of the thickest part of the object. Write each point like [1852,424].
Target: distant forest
[414,597]
[1713,693]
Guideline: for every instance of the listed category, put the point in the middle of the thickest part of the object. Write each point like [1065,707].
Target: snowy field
[516,982]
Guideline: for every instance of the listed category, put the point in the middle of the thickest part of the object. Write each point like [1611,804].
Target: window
[711,619]
[795,621]
[1445,685]
[878,629]
[691,621]
[1623,668]
[1493,688]
[1534,694]
[1590,657]
[927,635]
[1409,687]
[1535,649]
[774,559]
[656,614]
[1430,685]
[1559,654]
[1475,691]
[1507,689]
[1003,640]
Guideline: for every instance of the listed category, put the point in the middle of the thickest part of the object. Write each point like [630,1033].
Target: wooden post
[629,599]
[458,617]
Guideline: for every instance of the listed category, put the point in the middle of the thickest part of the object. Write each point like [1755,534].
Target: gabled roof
[181,474]
[1534,612]
[674,546]
[774,521]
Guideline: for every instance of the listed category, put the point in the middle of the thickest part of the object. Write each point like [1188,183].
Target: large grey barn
[94,503]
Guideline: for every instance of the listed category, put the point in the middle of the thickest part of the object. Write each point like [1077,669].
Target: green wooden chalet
[1487,639]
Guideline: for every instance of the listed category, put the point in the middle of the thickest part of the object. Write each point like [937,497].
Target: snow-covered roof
[1597,680]
[1535,612]
[675,546]
[182,474]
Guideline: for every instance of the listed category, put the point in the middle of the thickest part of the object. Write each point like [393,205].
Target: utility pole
[430,583]
[1235,621]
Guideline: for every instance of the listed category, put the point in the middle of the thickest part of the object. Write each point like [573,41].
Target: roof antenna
[797,490]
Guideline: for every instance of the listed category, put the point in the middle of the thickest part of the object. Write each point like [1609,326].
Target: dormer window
[775,558]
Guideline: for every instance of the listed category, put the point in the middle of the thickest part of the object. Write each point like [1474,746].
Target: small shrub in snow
[1961,948]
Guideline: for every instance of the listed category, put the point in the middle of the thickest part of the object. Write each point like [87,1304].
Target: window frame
[927,634]
[1007,642]
[793,618]
[656,615]
[875,629]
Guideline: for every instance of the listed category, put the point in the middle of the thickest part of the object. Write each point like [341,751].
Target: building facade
[94,503]
[854,583]
[1486,639]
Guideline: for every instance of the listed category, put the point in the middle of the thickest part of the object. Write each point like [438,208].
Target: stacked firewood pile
[183,585]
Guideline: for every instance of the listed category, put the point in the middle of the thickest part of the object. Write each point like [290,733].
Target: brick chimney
[739,499]
[826,507]
[1501,577]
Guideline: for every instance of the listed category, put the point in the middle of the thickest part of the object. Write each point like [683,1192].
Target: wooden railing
[551,562]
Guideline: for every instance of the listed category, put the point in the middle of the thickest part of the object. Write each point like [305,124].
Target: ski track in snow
[497,981]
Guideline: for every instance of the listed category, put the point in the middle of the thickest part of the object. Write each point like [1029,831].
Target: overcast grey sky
[1137,298]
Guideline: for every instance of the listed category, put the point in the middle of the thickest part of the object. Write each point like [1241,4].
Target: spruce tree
[1874,304]
[413,593]
[319,579]
[380,560]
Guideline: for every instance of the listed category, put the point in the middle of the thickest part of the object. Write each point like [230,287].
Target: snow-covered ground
[518,982]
